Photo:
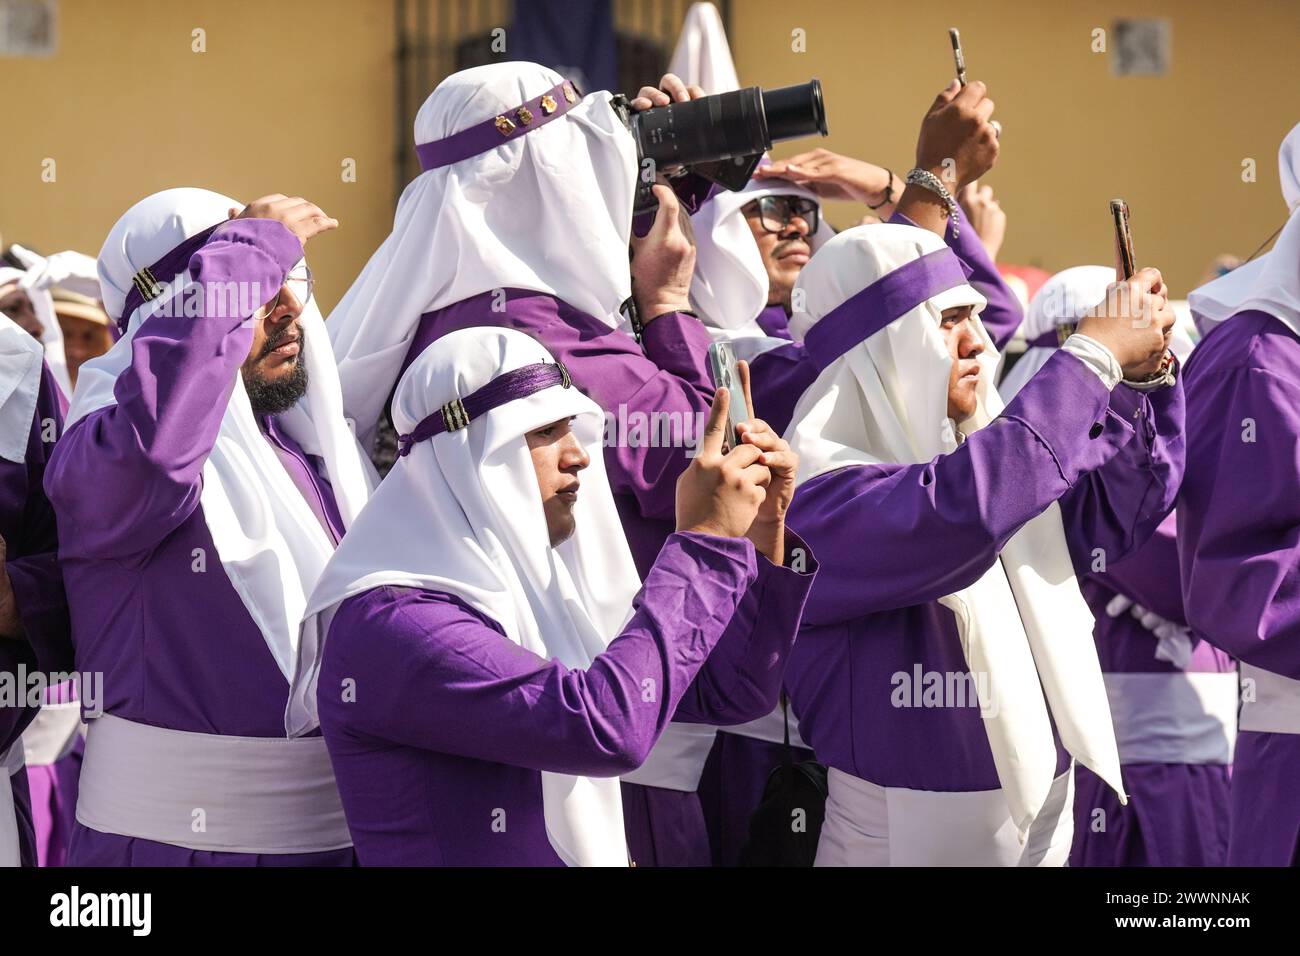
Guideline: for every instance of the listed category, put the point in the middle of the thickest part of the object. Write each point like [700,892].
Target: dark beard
[272,398]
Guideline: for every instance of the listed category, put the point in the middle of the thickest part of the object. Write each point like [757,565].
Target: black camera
[720,137]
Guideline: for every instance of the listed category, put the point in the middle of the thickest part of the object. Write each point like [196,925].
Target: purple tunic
[664,379]
[893,539]
[1177,814]
[455,781]
[781,375]
[28,526]
[128,551]
[1239,549]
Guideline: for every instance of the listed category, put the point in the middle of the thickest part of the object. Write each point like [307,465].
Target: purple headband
[145,285]
[863,315]
[491,133]
[458,413]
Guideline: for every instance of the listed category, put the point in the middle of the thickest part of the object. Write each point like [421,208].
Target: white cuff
[1096,357]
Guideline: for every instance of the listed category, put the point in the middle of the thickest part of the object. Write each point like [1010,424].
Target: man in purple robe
[752,247]
[225,475]
[522,219]
[1239,521]
[481,653]
[946,618]
[33,609]
[1173,697]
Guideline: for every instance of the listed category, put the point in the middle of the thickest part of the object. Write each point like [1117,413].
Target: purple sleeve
[1003,315]
[741,680]
[669,377]
[431,673]
[145,454]
[778,379]
[1239,517]
[1119,505]
[1149,574]
[893,536]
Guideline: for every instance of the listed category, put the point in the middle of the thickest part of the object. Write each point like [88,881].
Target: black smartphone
[722,365]
[957,57]
[1123,237]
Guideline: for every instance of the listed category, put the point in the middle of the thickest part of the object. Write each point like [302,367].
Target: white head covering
[730,286]
[1065,297]
[271,545]
[1024,623]
[549,211]
[702,57]
[1271,282]
[43,305]
[20,384]
[461,514]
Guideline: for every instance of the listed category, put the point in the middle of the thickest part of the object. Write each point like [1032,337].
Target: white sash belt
[870,825]
[770,728]
[1180,717]
[209,792]
[11,762]
[1275,707]
[677,759]
[52,735]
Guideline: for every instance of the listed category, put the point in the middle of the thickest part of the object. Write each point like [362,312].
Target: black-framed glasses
[297,283]
[775,212]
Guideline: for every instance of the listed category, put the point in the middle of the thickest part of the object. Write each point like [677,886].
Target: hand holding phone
[1125,264]
[726,374]
[957,56]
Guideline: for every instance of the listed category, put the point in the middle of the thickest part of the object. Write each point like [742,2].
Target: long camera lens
[794,111]
[722,137]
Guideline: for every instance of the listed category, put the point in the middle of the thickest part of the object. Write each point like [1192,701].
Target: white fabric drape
[271,545]
[1024,622]
[462,514]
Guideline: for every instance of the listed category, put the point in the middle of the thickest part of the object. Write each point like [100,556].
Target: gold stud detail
[454,415]
[504,125]
[548,104]
[525,115]
[570,93]
[146,284]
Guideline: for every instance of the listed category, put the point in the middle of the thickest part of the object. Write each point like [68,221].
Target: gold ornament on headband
[146,284]
[454,415]
[548,104]
[504,126]
[570,93]
[525,115]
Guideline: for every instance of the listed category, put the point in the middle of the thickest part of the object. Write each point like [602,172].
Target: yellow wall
[288,88]
[1074,135]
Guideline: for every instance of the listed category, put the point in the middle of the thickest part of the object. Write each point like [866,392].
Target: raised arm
[741,679]
[144,455]
[1116,508]
[482,696]
[891,536]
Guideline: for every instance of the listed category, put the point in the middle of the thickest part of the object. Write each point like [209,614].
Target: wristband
[928,180]
[889,193]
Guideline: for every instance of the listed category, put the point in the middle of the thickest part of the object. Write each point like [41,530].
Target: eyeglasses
[298,284]
[775,212]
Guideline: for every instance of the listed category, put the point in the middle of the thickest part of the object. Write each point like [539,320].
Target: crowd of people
[931,602]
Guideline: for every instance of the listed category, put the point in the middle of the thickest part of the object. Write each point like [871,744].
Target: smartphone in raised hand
[722,365]
[1123,238]
[957,56]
